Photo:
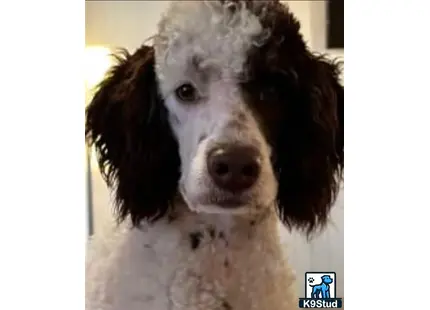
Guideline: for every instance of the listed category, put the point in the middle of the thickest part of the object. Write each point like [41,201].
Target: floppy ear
[310,147]
[137,153]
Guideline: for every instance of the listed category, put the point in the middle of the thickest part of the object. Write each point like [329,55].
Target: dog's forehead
[207,35]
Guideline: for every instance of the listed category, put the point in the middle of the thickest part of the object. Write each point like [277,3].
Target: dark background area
[335,24]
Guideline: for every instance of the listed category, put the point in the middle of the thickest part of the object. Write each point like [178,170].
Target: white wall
[121,23]
[118,24]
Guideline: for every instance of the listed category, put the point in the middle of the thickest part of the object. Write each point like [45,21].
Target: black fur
[127,123]
[226,263]
[195,239]
[211,231]
[226,305]
[302,116]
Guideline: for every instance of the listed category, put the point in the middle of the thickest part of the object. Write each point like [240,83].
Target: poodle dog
[223,128]
[322,290]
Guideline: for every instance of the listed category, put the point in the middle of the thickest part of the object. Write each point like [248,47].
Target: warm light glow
[98,60]
[94,161]
[97,63]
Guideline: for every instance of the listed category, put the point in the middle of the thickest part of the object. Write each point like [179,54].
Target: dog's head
[230,109]
[326,279]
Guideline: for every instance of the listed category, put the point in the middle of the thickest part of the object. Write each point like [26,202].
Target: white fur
[219,40]
[155,268]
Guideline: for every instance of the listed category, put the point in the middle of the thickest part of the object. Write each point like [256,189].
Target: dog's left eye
[187,93]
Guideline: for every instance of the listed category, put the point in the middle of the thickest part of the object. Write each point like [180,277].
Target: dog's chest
[195,269]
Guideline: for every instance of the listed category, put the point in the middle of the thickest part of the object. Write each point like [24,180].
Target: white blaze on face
[203,43]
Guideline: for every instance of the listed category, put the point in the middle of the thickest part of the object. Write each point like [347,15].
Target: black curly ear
[310,147]
[304,119]
[128,125]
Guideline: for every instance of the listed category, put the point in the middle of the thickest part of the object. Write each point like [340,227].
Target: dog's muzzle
[234,168]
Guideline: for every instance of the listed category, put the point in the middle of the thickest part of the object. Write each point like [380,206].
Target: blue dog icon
[322,290]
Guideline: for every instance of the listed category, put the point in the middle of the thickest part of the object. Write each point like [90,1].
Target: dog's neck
[243,226]
[196,261]
[242,254]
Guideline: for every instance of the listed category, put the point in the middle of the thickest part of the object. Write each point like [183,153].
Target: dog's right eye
[187,93]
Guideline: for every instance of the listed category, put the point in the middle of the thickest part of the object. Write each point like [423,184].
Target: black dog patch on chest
[195,238]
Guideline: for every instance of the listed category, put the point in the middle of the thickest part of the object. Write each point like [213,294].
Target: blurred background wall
[112,24]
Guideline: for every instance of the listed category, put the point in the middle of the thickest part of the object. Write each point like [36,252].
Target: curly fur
[127,123]
[178,246]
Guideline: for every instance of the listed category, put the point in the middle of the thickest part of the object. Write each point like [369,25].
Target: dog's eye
[187,93]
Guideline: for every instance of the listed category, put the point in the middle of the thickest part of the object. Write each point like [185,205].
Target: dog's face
[229,109]
[326,279]
[201,55]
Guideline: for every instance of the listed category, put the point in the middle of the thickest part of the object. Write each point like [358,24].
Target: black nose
[234,168]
